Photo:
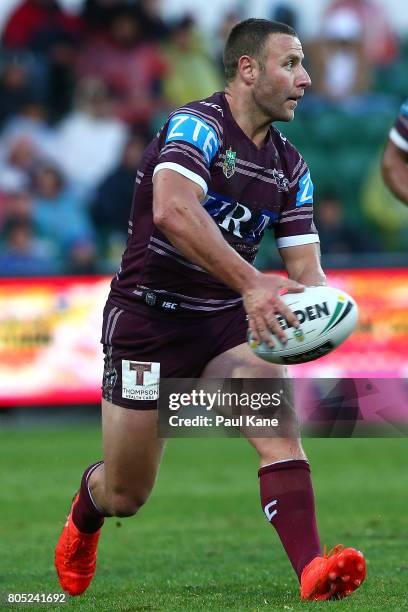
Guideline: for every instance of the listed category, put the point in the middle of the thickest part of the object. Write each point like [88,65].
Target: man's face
[281,80]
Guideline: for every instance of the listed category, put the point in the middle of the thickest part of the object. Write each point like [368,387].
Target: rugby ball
[327,316]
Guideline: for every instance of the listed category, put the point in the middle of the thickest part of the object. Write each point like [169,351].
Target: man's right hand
[262,303]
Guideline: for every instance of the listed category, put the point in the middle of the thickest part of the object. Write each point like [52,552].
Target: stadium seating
[339,149]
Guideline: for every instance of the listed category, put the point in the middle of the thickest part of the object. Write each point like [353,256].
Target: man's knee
[126,503]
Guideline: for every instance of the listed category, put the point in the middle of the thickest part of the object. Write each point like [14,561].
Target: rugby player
[394,165]
[214,179]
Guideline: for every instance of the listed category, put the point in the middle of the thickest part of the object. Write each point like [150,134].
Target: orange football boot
[333,576]
[75,557]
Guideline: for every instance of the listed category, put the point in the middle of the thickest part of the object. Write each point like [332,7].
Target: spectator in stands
[111,206]
[129,65]
[19,153]
[380,44]
[15,198]
[12,181]
[29,123]
[31,17]
[23,254]
[154,27]
[15,87]
[59,215]
[285,14]
[90,140]
[52,34]
[58,51]
[228,21]
[192,73]
[97,15]
[82,258]
[339,69]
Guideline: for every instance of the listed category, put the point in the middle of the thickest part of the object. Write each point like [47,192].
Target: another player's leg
[286,492]
[117,486]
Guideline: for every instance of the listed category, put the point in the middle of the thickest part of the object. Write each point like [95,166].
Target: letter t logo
[140,368]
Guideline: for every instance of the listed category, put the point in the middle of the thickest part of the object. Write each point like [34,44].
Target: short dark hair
[248,38]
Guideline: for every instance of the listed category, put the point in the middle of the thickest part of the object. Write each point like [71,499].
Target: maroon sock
[288,502]
[85,515]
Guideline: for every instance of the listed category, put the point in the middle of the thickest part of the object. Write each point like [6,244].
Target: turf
[202,542]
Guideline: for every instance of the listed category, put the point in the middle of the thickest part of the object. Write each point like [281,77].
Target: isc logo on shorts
[169,305]
[140,380]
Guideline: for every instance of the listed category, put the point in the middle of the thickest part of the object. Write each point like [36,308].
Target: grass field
[202,542]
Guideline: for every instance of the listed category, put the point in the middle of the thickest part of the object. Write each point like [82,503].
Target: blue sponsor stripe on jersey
[215,201]
[271,215]
[197,132]
[239,219]
[305,191]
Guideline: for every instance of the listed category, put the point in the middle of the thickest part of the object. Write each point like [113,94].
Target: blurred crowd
[81,95]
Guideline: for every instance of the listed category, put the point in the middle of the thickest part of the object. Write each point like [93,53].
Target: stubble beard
[270,112]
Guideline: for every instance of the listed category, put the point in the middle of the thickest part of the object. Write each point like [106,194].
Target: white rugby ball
[327,316]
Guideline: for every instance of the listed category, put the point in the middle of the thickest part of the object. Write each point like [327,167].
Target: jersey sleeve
[399,131]
[189,142]
[295,224]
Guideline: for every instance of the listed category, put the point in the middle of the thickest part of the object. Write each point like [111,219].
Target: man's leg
[284,475]
[132,453]
[286,490]
[118,486]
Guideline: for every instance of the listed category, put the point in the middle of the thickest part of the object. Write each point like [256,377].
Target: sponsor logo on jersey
[305,191]
[228,167]
[188,128]
[238,219]
[140,380]
[215,106]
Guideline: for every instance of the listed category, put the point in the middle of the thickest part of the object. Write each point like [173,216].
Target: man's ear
[247,68]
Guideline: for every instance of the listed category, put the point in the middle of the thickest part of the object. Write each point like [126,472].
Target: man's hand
[262,303]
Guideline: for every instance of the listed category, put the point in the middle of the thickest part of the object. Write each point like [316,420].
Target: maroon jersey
[247,191]
[399,132]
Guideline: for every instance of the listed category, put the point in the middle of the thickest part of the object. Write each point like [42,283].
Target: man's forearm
[303,264]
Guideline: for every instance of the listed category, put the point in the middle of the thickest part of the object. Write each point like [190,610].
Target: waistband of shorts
[169,302]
